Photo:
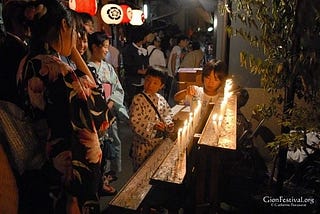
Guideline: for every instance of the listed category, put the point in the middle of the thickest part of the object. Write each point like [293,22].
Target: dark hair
[156,71]
[195,45]
[137,33]
[218,67]
[13,13]
[46,28]
[86,17]
[182,37]
[96,38]
[79,22]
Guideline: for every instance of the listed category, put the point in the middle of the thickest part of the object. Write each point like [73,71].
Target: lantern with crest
[112,14]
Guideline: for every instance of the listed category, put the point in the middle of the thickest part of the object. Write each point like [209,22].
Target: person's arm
[181,95]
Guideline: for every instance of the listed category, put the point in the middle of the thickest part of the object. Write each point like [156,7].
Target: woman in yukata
[64,96]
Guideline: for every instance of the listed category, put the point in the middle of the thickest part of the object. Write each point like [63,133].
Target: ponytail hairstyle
[46,27]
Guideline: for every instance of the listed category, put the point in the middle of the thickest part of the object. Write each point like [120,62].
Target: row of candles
[186,133]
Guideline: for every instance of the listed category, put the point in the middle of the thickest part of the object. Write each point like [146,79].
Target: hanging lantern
[111,14]
[81,6]
[137,17]
[127,13]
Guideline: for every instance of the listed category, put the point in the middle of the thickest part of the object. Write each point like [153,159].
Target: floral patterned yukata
[54,91]
[143,118]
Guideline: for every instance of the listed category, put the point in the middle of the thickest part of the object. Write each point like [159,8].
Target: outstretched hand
[191,90]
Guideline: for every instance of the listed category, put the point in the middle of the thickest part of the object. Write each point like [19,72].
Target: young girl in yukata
[149,122]
[214,74]
[110,86]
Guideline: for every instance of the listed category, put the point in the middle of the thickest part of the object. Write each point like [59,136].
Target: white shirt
[175,50]
[205,98]
[156,57]
[141,50]
[299,154]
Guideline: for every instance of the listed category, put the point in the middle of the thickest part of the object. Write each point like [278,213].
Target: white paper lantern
[137,17]
[112,14]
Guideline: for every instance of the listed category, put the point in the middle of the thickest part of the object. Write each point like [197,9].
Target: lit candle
[220,118]
[195,116]
[199,106]
[227,87]
[223,106]
[191,124]
[184,134]
[215,125]
[197,112]
[179,140]
[187,131]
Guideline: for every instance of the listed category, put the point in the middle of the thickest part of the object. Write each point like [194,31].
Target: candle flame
[214,117]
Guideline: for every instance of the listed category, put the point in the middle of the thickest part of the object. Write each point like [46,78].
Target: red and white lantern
[127,13]
[137,17]
[84,6]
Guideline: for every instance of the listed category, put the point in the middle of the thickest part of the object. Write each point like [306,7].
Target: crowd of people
[66,75]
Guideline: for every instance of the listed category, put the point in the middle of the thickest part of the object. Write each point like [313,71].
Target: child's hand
[110,104]
[191,90]
[160,126]
[170,127]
